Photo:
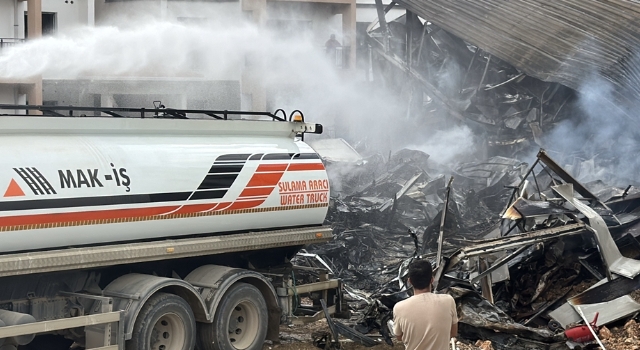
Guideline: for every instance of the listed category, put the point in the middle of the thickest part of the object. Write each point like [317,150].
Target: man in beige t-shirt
[425,321]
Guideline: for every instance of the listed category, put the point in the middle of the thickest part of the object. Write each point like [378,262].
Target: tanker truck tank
[144,222]
[83,181]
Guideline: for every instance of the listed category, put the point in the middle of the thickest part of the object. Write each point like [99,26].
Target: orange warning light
[13,190]
[318,235]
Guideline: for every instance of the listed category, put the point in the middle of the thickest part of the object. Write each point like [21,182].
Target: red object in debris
[582,334]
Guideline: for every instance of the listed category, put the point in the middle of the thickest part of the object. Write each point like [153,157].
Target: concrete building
[237,87]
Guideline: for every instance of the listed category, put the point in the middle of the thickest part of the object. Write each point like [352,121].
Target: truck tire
[165,322]
[240,322]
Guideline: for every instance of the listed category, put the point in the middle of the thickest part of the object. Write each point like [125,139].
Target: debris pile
[388,211]
[447,80]
[513,110]
[533,257]
[510,242]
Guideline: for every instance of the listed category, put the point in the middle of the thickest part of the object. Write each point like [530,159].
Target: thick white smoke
[295,68]
[599,142]
[465,144]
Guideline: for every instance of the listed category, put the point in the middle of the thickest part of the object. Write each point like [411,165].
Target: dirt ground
[621,338]
[299,337]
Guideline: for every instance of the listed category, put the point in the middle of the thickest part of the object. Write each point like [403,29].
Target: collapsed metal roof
[563,41]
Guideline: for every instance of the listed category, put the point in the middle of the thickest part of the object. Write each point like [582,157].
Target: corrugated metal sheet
[564,41]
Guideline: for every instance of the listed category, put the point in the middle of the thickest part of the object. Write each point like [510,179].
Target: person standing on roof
[425,321]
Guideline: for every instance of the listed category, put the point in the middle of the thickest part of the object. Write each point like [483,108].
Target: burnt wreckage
[511,70]
[527,252]
[553,233]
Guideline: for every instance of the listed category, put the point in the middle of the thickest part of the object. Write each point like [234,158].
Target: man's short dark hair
[420,273]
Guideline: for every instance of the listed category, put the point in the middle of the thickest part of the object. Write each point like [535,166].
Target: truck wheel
[240,322]
[165,322]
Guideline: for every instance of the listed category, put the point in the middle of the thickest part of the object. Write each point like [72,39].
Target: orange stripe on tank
[305,166]
[212,207]
[194,208]
[264,179]
[245,204]
[256,191]
[271,167]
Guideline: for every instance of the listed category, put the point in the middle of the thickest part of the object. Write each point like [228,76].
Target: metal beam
[493,245]
[56,325]
[299,320]
[577,186]
[485,283]
[443,217]
[383,24]
[314,287]
[503,243]
[411,18]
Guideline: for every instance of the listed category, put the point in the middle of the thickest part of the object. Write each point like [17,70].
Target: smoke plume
[295,68]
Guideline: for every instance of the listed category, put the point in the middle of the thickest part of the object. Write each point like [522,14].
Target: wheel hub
[168,333]
[243,325]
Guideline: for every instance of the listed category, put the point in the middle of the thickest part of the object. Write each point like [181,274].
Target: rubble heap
[516,242]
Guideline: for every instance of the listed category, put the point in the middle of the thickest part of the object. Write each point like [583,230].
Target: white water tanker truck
[149,229]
